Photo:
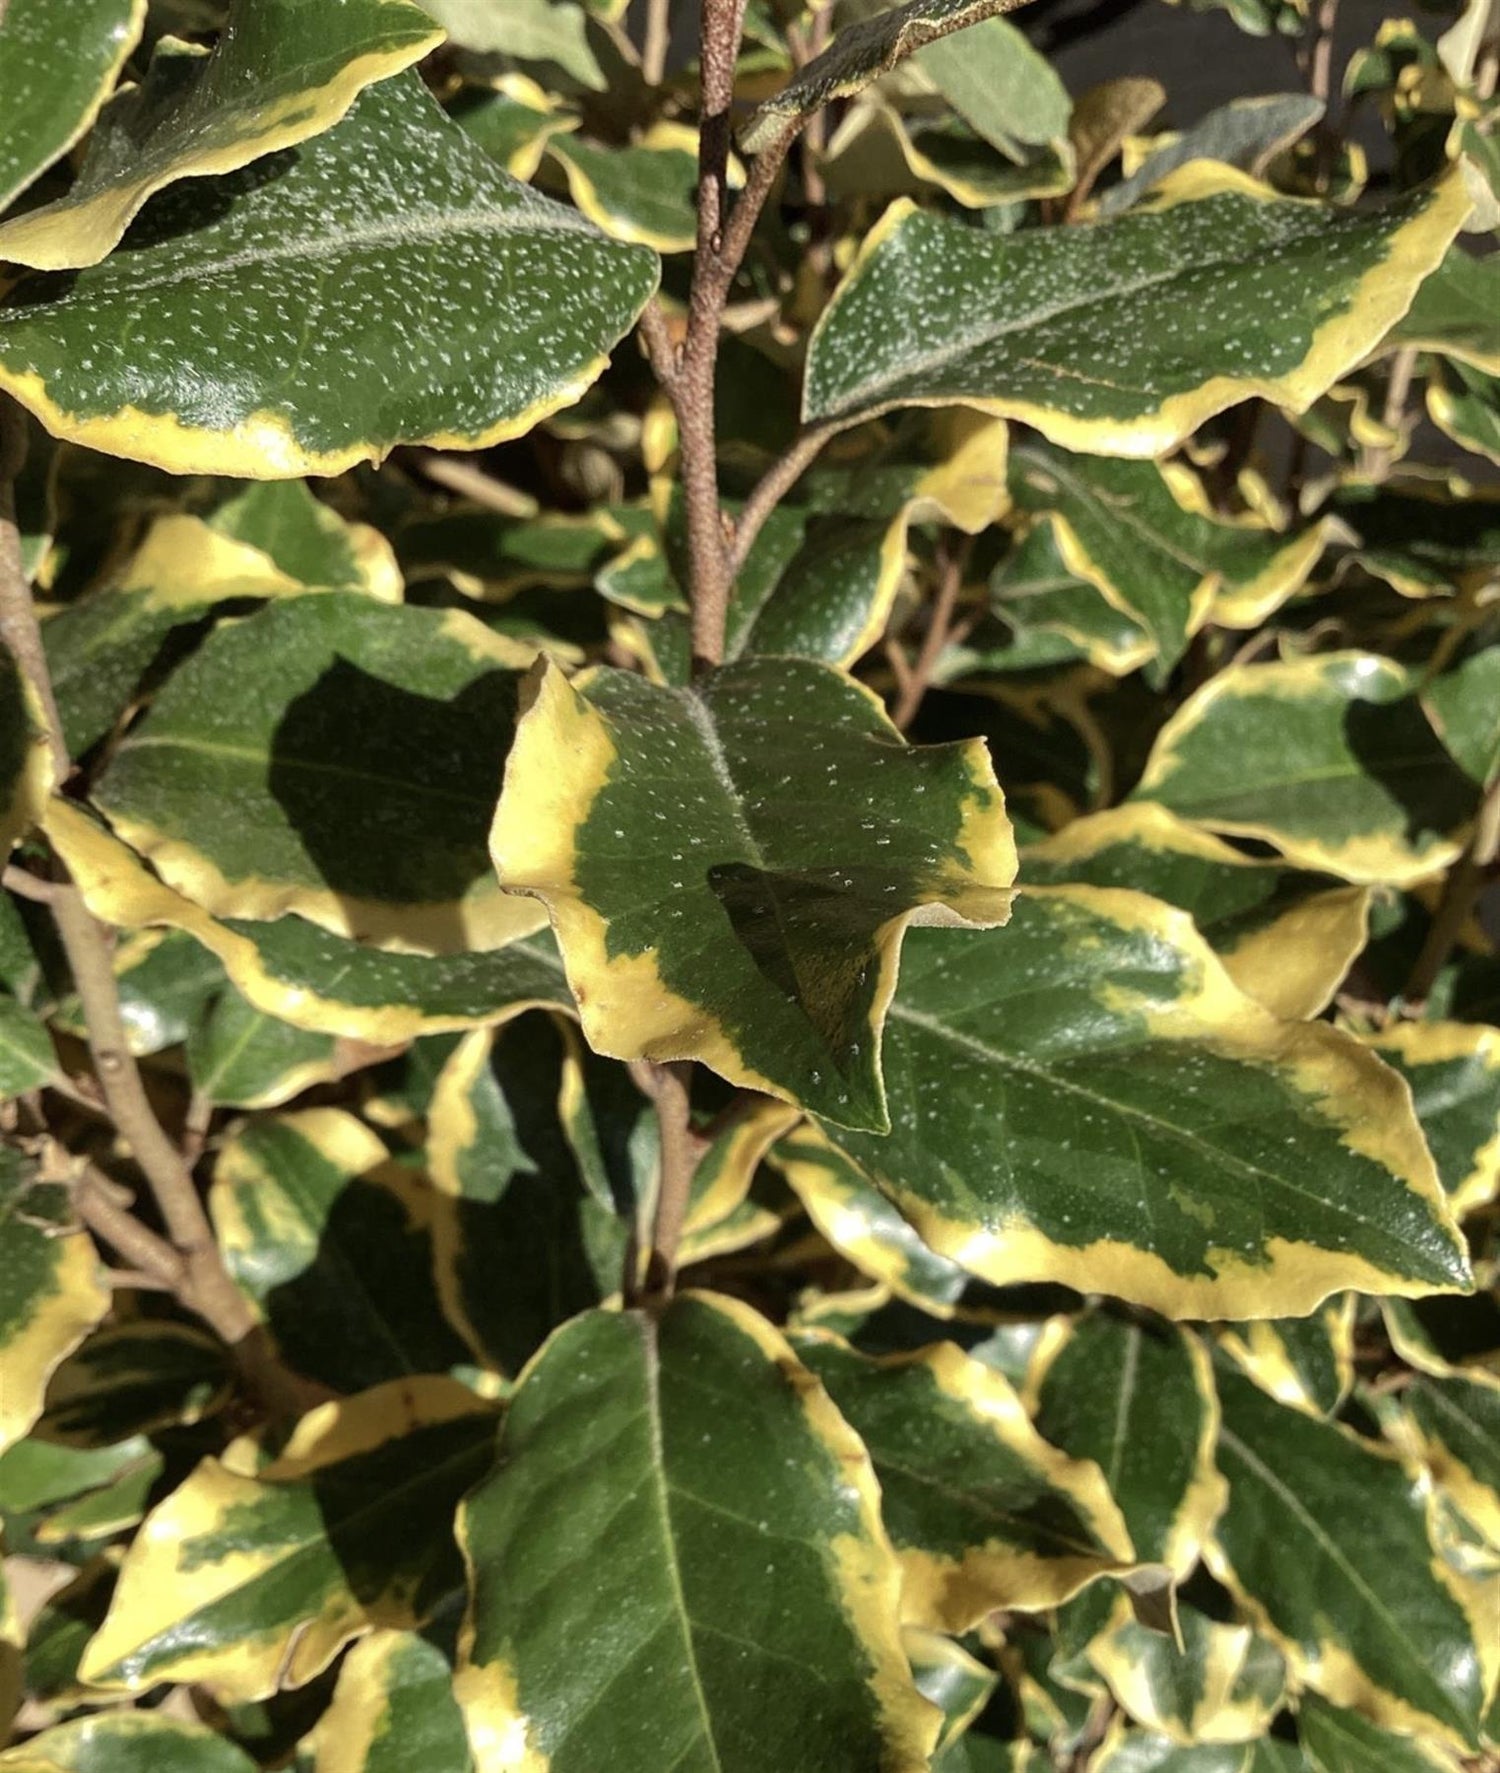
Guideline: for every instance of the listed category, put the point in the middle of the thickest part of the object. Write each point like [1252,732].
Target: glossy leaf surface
[1121,337]
[742,1607]
[1179,1173]
[359,747]
[329,266]
[730,869]
[283,70]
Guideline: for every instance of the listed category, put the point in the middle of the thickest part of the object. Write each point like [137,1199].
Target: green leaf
[864,1227]
[1305,1361]
[1330,758]
[1364,1609]
[880,152]
[27,1060]
[645,193]
[741,1607]
[114,1508]
[128,1742]
[1340,1741]
[513,1190]
[513,123]
[730,869]
[1465,404]
[1138,1400]
[131,1379]
[47,99]
[1222,1683]
[392,235]
[1454,1072]
[1122,337]
[1142,1128]
[335,757]
[1146,537]
[860,53]
[1002,88]
[1453,312]
[308,540]
[247,1583]
[1464,705]
[1139,1751]
[298,972]
[1246,133]
[239,1057]
[36,1475]
[1048,613]
[1452,1423]
[956,1682]
[530,30]
[335,1247]
[393,1711]
[281,71]
[983,1513]
[1286,938]
[51,1290]
[26,773]
[1425,539]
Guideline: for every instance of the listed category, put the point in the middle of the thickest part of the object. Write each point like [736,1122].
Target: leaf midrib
[1333,1550]
[1221,1155]
[960,344]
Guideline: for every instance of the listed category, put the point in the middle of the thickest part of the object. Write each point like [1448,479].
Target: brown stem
[1320,59]
[29,886]
[1377,459]
[202,1282]
[656,41]
[669,1086]
[773,486]
[93,1199]
[1465,880]
[471,482]
[939,632]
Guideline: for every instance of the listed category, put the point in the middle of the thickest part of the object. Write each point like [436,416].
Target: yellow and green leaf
[1304,1361]
[393,1711]
[1141,1127]
[334,757]
[1138,1400]
[1330,758]
[244,1584]
[128,1742]
[644,194]
[52,1291]
[296,970]
[1454,1072]
[335,1247]
[133,1378]
[511,1188]
[1287,938]
[331,267]
[1122,337]
[514,122]
[26,768]
[730,869]
[1454,312]
[983,1513]
[1221,1683]
[743,1595]
[48,99]
[864,1227]
[280,73]
[1365,1610]
[1337,1740]
[1464,403]
[1452,1424]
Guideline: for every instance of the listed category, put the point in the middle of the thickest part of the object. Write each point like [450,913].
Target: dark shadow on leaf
[1395,746]
[391,793]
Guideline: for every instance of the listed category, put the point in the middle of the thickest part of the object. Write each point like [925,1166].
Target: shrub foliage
[750,777]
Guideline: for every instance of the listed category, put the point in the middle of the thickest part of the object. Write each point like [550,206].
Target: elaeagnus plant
[750,784]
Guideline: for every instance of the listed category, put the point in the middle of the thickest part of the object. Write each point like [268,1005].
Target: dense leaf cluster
[750,961]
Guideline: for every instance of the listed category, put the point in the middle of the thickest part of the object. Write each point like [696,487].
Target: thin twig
[1377,459]
[94,1202]
[669,1087]
[773,486]
[29,886]
[471,482]
[656,41]
[939,632]
[203,1282]
[1466,879]
[661,348]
